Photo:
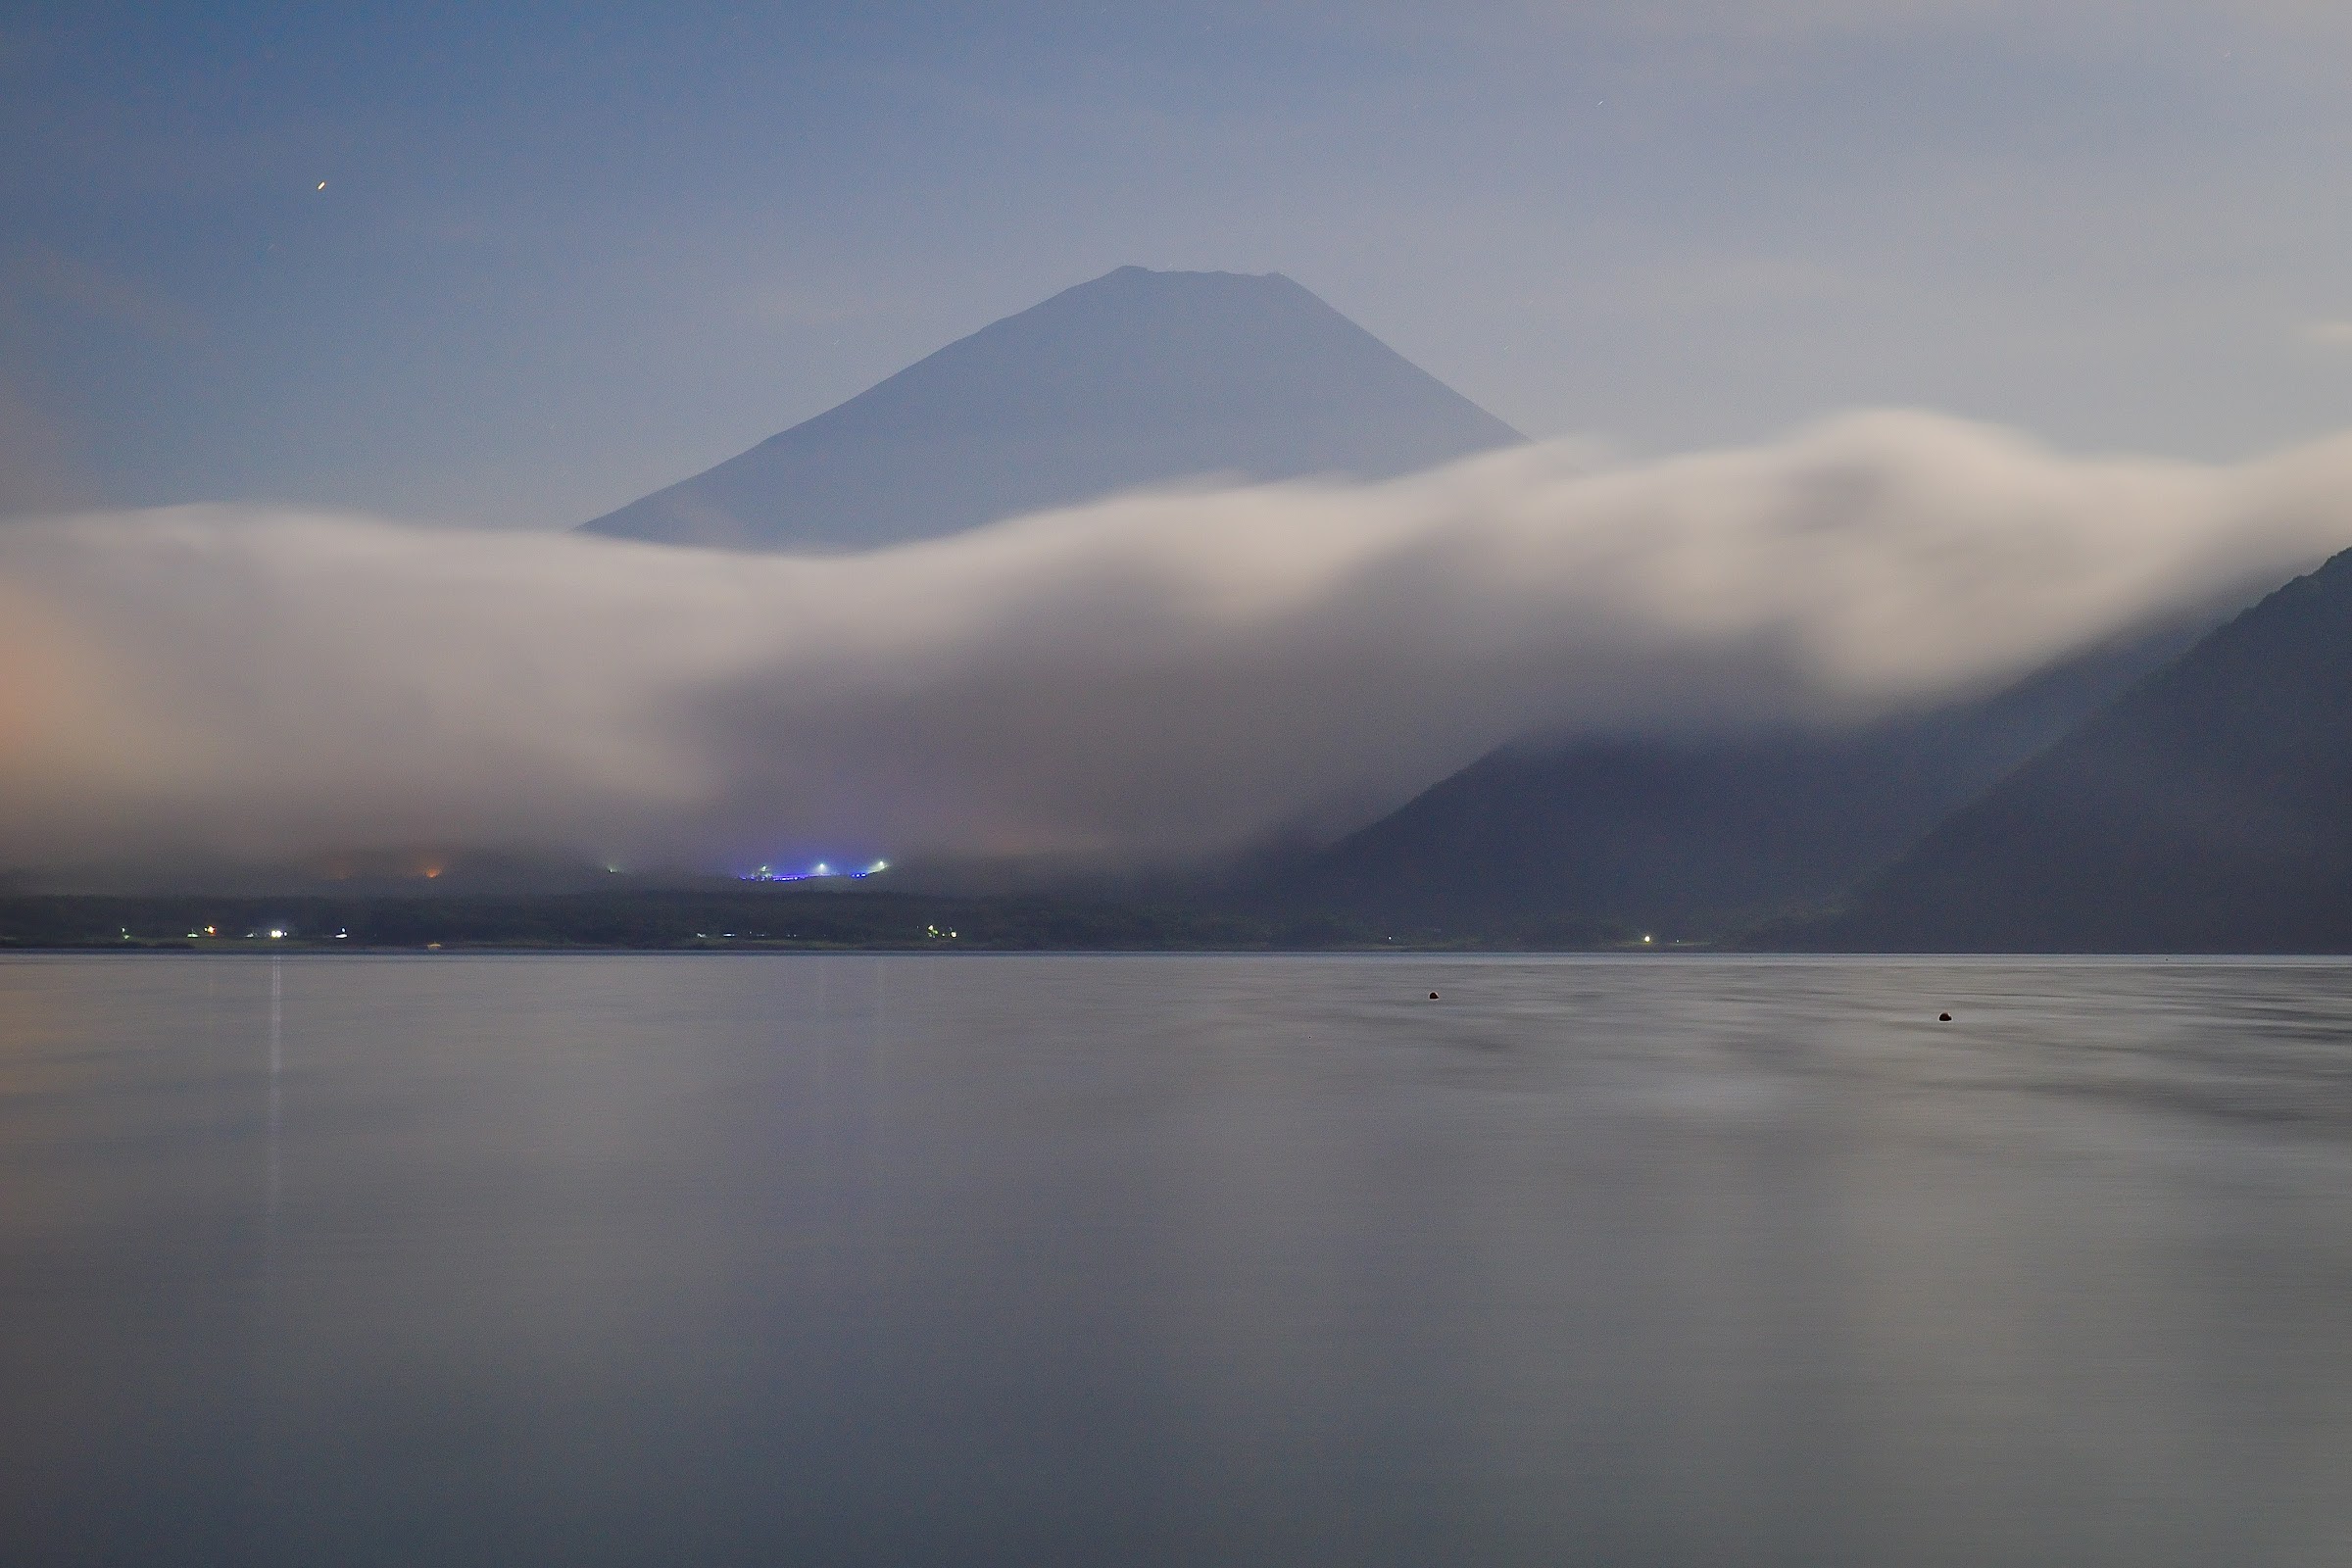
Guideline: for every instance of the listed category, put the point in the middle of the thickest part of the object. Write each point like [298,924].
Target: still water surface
[931,1260]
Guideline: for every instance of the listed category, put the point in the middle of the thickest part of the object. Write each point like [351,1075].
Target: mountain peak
[1134,275]
[1133,378]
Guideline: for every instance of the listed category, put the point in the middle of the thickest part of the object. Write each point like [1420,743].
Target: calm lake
[1198,1259]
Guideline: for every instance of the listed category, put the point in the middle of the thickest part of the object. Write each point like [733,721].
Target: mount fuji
[1135,378]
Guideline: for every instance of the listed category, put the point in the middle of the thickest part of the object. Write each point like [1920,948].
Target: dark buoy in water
[1433,996]
[1943,1017]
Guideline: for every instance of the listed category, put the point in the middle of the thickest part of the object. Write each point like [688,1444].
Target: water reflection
[277,1067]
[958,1260]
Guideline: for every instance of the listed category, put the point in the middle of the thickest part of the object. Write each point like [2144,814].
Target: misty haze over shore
[1149,678]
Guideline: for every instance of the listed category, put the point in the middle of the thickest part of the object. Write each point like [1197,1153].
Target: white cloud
[1153,675]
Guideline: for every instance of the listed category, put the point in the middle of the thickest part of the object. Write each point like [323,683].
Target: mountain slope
[1135,378]
[2208,810]
[1676,834]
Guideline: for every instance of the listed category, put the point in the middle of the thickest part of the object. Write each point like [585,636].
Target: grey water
[1067,1259]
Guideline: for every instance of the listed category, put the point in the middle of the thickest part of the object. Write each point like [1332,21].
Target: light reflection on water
[1175,1260]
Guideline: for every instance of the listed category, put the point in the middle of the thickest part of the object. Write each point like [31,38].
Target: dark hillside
[1696,835]
[2208,810]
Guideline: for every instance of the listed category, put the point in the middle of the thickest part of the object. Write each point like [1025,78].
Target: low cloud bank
[1152,676]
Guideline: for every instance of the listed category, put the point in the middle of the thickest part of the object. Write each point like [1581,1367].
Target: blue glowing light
[821,870]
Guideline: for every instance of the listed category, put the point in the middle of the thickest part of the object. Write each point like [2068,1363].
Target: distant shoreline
[783,919]
[786,919]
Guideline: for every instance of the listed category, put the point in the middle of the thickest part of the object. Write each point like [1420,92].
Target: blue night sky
[566,253]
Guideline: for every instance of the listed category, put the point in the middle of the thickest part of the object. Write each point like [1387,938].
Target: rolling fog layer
[1151,676]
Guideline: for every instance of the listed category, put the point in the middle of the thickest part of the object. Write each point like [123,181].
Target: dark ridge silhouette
[2207,810]
[1135,378]
[1690,836]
